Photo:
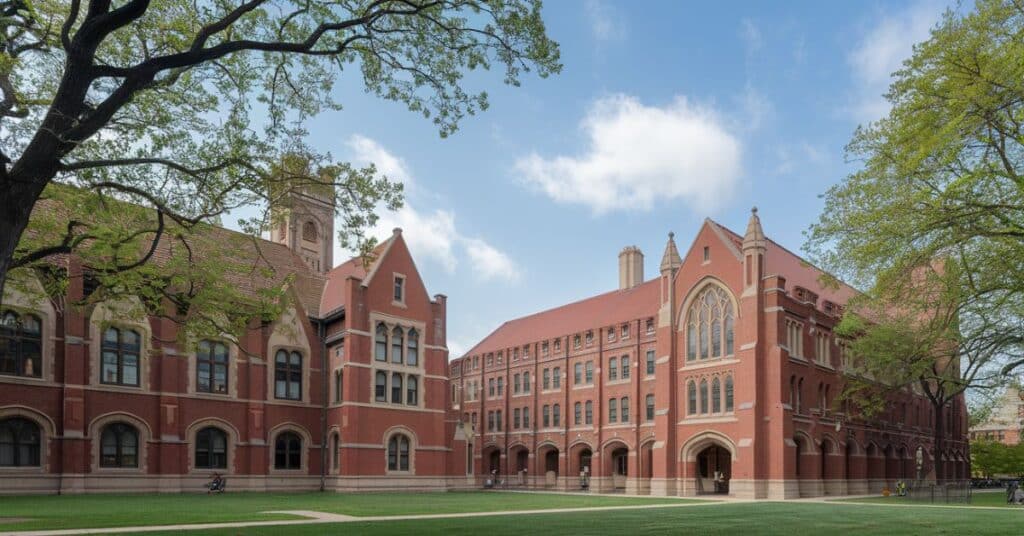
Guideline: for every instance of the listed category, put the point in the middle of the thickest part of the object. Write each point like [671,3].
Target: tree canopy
[194,108]
[931,223]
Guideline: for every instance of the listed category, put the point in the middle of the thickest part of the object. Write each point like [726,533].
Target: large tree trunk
[17,197]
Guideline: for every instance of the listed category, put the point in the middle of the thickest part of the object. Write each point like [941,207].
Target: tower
[303,220]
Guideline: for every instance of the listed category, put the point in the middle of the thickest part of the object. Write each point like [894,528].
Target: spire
[755,234]
[670,261]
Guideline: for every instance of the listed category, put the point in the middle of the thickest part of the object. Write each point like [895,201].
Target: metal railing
[947,491]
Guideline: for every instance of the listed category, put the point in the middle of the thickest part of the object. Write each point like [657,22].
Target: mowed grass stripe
[98,511]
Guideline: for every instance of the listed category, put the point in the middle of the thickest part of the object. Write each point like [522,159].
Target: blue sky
[665,113]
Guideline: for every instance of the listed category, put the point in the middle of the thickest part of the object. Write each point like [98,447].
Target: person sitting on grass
[1018,496]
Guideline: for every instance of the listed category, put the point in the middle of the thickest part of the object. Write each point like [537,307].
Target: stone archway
[714,470]
[705,457]
[620,467]
[519,465]
[548,465]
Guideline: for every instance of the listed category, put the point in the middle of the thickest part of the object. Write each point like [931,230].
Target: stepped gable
[598,311]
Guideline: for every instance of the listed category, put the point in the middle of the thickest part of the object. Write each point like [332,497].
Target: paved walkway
[313,518]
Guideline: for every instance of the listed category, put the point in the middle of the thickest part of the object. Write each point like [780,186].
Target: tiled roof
[257,263]
[332,297]
[605,309]
[797,271]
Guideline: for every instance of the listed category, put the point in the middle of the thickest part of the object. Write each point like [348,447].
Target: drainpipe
[322,332]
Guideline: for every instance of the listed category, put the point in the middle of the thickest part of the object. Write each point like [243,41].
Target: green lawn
[761,518]
[96,511]
[986,498]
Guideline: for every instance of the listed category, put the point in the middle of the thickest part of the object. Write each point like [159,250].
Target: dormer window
[650,326]
[625,331]
[399,289]
[611,334]
[590,338]
[544,348]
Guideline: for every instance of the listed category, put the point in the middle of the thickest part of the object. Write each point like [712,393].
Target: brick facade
[762,422]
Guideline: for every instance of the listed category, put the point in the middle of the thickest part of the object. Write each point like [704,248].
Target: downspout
[321,331]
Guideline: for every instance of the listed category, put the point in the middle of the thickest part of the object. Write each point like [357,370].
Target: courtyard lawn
[983,498]
[762,518]
[99,511]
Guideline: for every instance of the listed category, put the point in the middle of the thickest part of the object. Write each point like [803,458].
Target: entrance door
[620,467]
[714,469]
[551,467]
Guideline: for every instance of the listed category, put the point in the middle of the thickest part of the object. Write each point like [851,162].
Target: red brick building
[720,375]
[347,389]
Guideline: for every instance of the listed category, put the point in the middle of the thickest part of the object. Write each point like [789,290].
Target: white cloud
[431,235]
[801,154]
[490,262]
[605,23]
[638,154]
[881,52]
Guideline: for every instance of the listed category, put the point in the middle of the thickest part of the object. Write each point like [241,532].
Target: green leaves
[931,225]
[195,109]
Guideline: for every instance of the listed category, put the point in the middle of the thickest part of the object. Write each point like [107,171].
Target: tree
[938,203]
[191,109]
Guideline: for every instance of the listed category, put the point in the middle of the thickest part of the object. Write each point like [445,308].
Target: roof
[608,308]
[257,263]
[797,271]
[644,300]
[332,297]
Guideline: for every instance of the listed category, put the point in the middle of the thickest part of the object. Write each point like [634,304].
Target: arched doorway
[714,470]
[521,465]
[828,474]
[494,462]
[620,467]
[550,466]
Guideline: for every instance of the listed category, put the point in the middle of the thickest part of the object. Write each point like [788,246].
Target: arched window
[526,382]
[381,387]
[728,393]
[19,443]
[716,396]
[381,343]
[800,395]
[398,453]
[613,410]
[309,231]
[396,388]
[412,356]
[703,396]
[625,367]
[588,412]
[624,409]
[709,325]
[211,449]
[650,407]
[577,413]
[120,357]
[691,397]
[590,372]
[119,446]
[613,369]
[288,375]
[21,345]
[212,367]
[556,415]
[412,396]
[396,344]
[288,451]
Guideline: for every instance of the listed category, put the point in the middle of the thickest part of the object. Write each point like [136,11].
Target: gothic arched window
[709,325]
[309,231]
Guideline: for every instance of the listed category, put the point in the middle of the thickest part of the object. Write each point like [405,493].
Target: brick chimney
[631,267]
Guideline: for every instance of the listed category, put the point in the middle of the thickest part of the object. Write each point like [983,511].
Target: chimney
[631,267]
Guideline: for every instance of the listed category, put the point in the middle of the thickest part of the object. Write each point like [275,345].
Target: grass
[762,518]
[99,511]
[985,498]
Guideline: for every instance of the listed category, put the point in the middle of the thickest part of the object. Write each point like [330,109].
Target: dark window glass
[211,449]
[119,446]
[19,443]
[381,387]
[212,367]
[412,391]
[380,345]
[288,375]
[288,451]
[412,356]
[396,388]
[21,345]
